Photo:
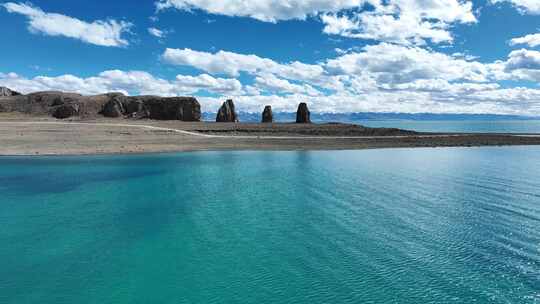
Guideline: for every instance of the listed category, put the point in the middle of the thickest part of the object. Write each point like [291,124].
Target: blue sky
[440,56]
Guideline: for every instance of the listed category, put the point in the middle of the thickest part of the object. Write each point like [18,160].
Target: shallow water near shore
[459,126]
[452,225]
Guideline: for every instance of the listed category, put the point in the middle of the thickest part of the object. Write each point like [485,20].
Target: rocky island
[54,123]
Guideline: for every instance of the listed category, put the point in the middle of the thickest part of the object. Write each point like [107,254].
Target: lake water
[415,122]
[465,126]
[453,225]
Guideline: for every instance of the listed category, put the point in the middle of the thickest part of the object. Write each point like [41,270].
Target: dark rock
[40,103]
[303,115]
[64,105]
[5,92]
[267,116]
[227,112]
[65,111]
[114,108]
[91,106]
[190,109]
[171,108]
[16,103]
[53,98]
[134,106]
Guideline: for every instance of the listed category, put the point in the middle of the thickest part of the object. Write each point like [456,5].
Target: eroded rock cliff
[267,116]
[303,115]
[65,105]
[227,112]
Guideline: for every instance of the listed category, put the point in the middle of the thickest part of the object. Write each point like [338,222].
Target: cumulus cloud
[402,21]
[271,83]
[399,21]
[524,6]
[521,65]
[232,64]
[531,40]
[523,59]
[519,101]
[390,63]
[103,33]
[382,77]
[423,95]
[128,82]
[263,10]
[221,62]
[403,29]
[407,77]
[225,86]
[157,32]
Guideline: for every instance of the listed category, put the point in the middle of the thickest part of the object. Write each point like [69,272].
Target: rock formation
[65,111]
[64,105]
[153,107]
[267,116]
[227,112]
[114,107]
[7,92]
[303,115]
[171,108]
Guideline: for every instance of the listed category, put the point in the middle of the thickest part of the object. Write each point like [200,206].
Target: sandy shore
[24,135]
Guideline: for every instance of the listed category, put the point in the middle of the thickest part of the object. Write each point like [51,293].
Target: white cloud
[130,82]
[523,59]
[271,83]
[157,32]
[518,101]
[221,62]
[532,40]
[443,86]
[524,6]
[402,21]
[263,10]
[382,77]
[521,65]
[233,64]
[226,86]
[423,95]
[390,63]
[403,29]
[103,33]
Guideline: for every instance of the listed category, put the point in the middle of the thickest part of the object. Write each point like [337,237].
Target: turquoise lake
[452,225]
[463,126]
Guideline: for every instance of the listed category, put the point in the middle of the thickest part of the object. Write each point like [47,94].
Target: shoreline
[112,154]
[22,135]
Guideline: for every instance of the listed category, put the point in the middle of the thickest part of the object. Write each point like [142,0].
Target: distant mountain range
[359,117]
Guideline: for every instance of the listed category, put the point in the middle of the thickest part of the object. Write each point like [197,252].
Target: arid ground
[30,135]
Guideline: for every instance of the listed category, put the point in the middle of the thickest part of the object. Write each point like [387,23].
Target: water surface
[455,225]
[461,126]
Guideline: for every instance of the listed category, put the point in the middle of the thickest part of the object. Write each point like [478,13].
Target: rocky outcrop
[267,116]
[227,112]
[153,107]
[64,105]
[65,111]
[114,108]
[172,108]
[135,109]
[5,92]
[303,114]
[56,104]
